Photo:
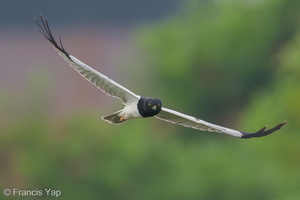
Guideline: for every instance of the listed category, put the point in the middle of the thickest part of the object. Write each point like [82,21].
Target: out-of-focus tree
[217,53]
[281,101]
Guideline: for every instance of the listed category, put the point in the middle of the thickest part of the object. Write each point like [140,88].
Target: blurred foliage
[281,101]
[220,52]
[216,56]
[88,160]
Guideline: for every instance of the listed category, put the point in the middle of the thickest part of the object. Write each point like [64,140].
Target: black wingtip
[44,29]
[263,132]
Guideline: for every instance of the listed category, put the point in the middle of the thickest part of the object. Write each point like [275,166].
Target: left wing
[192,122]
[101,81]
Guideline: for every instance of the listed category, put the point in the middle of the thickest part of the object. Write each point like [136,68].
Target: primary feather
[101,81]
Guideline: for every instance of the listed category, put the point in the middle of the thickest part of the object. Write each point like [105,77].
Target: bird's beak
[154,107]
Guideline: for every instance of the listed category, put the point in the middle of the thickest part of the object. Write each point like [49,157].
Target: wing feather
[101,81]
[175,117]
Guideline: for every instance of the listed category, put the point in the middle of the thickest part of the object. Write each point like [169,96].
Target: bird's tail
[114,118]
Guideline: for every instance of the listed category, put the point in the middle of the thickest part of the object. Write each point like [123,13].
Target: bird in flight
[137,106]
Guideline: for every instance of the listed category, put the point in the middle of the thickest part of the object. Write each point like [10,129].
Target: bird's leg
[122,119]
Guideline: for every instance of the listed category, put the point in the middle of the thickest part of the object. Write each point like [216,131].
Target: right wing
[175,117]
[101,81]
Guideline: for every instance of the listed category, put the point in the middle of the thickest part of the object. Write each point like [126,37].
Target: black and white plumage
[135,105]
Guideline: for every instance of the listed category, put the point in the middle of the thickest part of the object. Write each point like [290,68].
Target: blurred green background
[231,62]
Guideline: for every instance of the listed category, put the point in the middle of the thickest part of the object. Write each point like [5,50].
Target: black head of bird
[149,107]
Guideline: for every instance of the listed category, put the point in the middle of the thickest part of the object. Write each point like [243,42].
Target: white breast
[131,111]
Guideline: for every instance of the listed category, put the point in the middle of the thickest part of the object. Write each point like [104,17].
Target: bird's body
[129,112]
[144,107]
[135,105]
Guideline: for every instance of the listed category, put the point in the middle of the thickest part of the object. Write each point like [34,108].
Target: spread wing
[192,122]
[101,81]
